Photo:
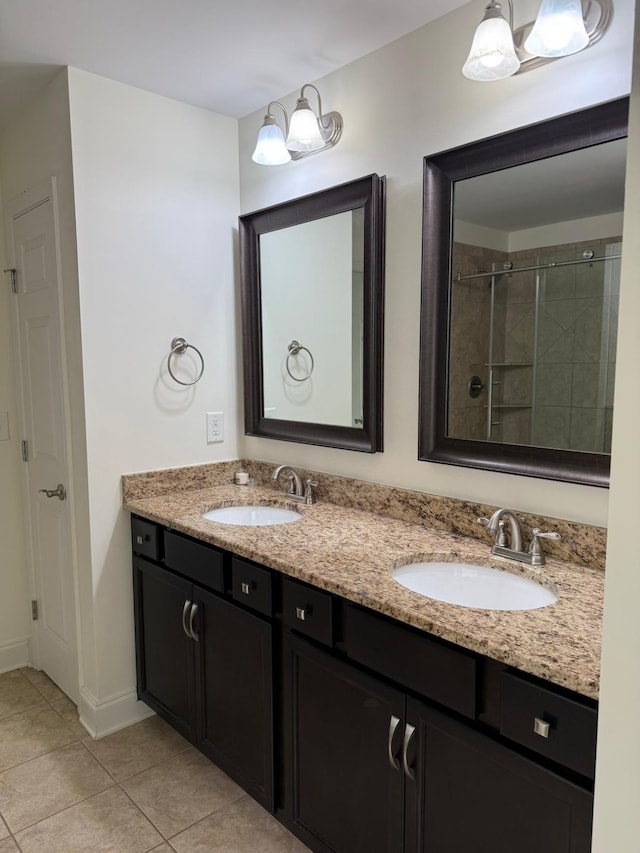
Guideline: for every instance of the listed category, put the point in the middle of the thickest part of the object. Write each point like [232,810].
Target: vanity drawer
[307,610]
[251,586]
[416,661]
[549,723]
[200,563]
[145,536]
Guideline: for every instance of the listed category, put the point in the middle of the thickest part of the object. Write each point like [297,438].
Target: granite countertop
[351,553]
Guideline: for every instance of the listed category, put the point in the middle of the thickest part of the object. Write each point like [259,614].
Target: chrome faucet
[533,555]
[493,526]
[295,490]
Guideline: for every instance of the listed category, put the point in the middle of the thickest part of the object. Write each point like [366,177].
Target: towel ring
[294,348]
[178,347]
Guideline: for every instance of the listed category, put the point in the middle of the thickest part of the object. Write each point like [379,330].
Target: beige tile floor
[142,788]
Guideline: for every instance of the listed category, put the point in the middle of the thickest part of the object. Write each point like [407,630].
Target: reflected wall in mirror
[312,301]
[311,283]
[520,298]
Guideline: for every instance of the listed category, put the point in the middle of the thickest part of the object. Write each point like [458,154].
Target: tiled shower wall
[470,322]
[574,368]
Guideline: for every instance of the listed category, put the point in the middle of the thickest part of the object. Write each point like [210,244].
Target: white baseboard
[102,717]
[14,655]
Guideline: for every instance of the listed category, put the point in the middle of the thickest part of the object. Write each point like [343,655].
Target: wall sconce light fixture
[562,27]
[307,132]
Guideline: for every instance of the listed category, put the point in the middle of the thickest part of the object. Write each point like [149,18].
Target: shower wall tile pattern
[551,390]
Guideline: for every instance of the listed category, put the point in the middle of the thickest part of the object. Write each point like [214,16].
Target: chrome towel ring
[293,349]
[178,347]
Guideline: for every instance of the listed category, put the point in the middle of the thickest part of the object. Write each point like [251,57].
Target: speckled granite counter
[350,552]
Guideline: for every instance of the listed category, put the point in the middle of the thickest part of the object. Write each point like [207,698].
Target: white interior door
[35,253]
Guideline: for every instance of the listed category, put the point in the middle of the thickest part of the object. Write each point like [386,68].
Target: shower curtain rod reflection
[549,266]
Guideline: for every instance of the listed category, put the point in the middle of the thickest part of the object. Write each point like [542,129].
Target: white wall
[156,192]
[617,817]
[574,231]
[403,102]
[473,234]
[307,296]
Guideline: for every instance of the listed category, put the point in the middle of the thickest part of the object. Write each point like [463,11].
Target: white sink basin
[473,586]
[252,516]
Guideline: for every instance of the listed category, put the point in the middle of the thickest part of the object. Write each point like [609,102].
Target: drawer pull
[246,589]
[140,540]
[540,727]
[301,613]
[394,722]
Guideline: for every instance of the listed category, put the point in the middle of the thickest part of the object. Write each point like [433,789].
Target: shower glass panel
[533,341]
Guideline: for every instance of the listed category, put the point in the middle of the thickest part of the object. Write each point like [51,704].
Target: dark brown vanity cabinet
[384,739]
[371,767]
[472,793]
[342,733]
[165,654]
[204,663]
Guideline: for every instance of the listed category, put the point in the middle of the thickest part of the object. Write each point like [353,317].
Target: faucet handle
[483,521]
[309,485]
[535,549]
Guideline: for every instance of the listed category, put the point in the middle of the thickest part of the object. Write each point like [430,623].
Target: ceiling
[229,57]
[588,182]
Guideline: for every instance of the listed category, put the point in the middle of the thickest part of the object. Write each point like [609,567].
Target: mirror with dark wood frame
[312,287]
[520,274]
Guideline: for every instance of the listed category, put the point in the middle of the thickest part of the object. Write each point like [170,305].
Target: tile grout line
[243,796]
[115,783]
[21,763]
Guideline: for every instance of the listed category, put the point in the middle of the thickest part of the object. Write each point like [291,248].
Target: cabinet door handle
[301,613]
[192,616]
[409,732]
[541,727]
[394,722]
[187,605]
[246,589]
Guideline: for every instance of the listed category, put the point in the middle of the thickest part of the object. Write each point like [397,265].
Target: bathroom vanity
[366,717]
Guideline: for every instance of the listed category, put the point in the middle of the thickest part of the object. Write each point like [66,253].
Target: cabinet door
[343,737]
[164,651]
[235,665]
[473,794]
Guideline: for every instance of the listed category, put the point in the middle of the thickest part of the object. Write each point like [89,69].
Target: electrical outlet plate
[215,427]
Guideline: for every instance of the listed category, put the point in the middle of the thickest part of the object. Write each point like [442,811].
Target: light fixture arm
[510,3]
[321,117]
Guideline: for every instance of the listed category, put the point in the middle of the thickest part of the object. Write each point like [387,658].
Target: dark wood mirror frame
[367,193]
[583,129]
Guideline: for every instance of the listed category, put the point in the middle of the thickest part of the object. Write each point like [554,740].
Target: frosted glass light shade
[492,55]
[559,29]
[304,132]
[270,147]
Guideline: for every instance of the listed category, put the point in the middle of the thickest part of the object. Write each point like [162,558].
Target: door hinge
[25,450]
[14,283]
[34,610]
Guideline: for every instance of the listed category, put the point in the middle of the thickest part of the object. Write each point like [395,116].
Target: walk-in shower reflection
[532,344]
